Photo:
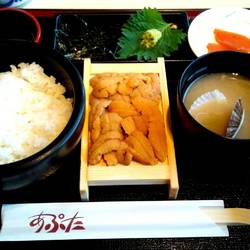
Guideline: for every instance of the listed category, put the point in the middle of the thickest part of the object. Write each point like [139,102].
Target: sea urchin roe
[126,122]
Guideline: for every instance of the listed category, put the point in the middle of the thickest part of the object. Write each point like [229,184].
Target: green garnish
[147,36]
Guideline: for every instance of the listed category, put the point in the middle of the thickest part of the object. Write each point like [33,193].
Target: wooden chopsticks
[229,216]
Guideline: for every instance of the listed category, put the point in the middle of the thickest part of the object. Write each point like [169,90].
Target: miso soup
[215,114]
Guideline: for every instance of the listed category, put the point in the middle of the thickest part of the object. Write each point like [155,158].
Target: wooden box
[135,173]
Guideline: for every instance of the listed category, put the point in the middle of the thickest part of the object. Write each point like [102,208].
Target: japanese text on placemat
[52,223]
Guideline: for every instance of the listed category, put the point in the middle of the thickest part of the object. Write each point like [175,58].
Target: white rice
[33,111]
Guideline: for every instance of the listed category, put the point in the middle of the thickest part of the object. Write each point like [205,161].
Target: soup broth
[214,114]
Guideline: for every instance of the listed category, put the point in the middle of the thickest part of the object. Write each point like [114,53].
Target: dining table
[197,175]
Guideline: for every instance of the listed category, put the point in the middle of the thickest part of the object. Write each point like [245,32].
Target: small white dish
[200,31]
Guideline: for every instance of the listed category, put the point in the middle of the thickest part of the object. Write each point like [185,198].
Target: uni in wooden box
[139,170]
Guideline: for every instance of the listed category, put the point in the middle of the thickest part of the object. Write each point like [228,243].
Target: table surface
[233,189]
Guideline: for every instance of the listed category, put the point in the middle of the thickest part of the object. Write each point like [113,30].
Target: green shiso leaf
[129,44]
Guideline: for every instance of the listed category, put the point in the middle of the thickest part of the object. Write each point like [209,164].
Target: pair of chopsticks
[229,216]
[218,215]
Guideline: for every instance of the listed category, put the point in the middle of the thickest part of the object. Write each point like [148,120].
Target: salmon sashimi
[212,47]
[232,40]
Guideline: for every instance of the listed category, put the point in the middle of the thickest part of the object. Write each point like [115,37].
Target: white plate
[200,31]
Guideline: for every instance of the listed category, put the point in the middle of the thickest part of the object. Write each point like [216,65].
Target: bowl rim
[32,18]
[181,100]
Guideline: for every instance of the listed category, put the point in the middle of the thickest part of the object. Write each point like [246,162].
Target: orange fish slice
[212,47]
[232,40]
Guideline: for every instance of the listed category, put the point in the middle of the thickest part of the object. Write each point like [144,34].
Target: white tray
[135,173]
